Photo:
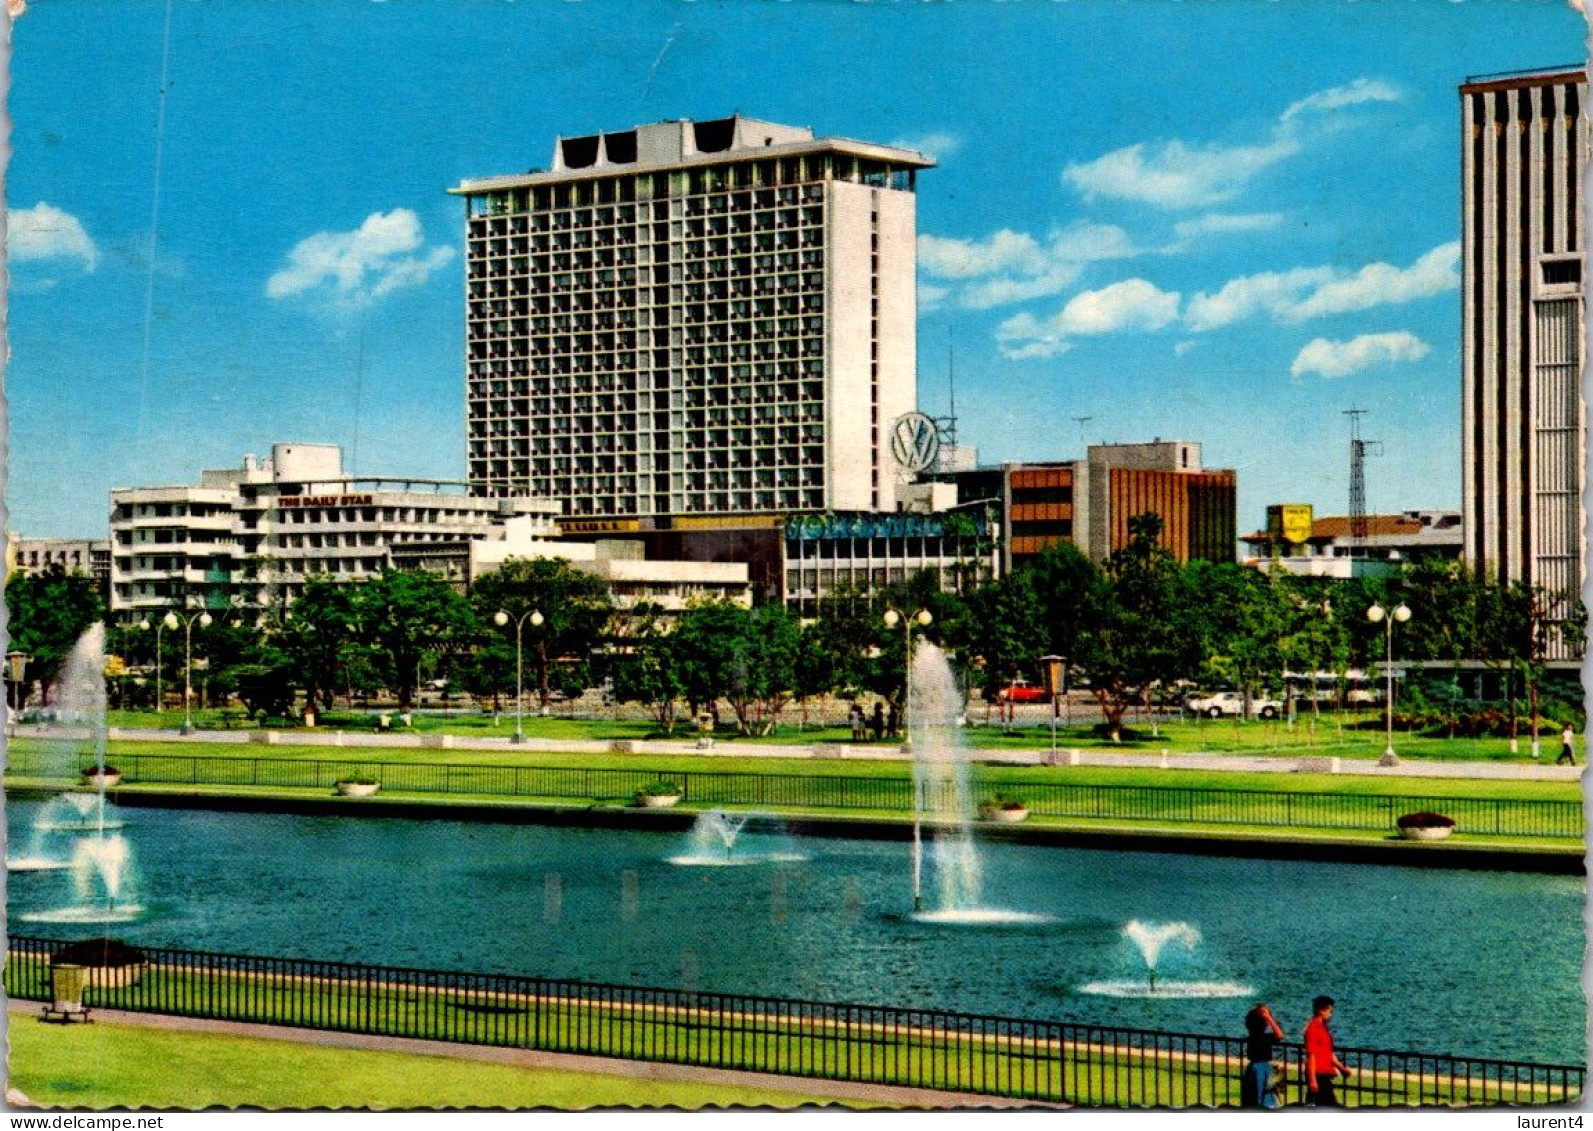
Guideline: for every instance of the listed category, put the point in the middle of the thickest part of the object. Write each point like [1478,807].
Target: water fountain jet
[102,858]
[714,840]
[943,800]
[1150,939]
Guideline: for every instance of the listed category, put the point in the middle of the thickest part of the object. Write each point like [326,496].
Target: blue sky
[1223,221]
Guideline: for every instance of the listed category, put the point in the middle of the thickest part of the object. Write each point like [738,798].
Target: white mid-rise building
[251,536]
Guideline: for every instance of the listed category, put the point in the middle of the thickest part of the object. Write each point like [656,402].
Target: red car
[1022,691]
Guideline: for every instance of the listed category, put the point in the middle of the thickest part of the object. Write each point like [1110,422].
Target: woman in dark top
[1262,1034]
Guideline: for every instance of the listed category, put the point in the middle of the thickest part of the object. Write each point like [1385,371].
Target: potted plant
[1006,810]
[108,963]
[1425,826]
[660,794]
[101,777]
[357,785]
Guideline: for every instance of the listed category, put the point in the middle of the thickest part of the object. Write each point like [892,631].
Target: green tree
[706,646]
[1241,618]
[318,634]
[49,610]
[643,669]
[763,670]
[405,616]
[1134,632]
[573,606]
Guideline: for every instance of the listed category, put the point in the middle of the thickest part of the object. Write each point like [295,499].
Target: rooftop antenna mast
[1082,421]
[946,426]
[1359,450]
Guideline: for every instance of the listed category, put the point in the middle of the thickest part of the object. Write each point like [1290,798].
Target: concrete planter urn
[1425,826]
[358,788]
[1426,834]
[658,795]
[105,964]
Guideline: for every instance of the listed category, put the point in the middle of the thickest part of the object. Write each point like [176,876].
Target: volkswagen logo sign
[915,442]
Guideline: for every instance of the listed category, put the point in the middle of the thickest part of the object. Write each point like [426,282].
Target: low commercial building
[1330,546]
[632,578]
[252,536]
[1089,502]
[88,556]
[862,552]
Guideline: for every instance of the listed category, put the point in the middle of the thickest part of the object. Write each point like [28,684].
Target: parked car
[1221,703]
[1022,691]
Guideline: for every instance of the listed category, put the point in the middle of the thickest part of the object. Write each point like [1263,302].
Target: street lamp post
[1053,668]
[171,621]
[924,619]
[500,619]
[1377,614]
[160,627]
[17,668]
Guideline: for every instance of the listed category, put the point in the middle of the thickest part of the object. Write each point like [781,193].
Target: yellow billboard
[1290,522]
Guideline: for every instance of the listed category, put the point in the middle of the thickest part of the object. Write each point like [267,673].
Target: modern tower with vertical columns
[1525,144]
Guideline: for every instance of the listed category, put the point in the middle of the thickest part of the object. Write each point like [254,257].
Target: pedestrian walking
[854,718]
[878,722]
[1567,747]
[892,723]
[1322,1065]
[1258,1086]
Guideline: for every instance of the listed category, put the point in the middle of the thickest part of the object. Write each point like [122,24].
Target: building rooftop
[1512,80]
[684,143]
[1426,525]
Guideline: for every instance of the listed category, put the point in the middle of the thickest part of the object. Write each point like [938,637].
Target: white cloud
[1184,347]
[936,145]
[1270,291]
[384,253]
[1221,223]
[1339,359]
[1024,337]
[1008,266]
[1379,284]
[44,232]
[962,259]
[1133,304]
[1174,174]
[1314,292]
[1338,97]
[930,297]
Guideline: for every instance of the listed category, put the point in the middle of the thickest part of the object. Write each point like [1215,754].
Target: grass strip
[1025,1060]
[107,1065]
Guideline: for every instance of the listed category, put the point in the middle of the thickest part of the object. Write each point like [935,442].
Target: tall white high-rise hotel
[688,319]
[1525,157]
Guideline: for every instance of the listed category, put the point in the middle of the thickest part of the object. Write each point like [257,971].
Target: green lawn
[989,772]
[109,1065]
[1351,735]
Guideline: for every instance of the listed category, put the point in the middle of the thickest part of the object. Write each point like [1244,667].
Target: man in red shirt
[1321,1063]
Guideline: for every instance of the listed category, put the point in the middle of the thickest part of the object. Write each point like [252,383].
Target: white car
[1221,703]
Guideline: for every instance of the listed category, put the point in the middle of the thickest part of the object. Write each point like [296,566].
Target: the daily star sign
[323,501]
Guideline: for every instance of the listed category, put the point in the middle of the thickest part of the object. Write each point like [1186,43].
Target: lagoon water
[1474,963]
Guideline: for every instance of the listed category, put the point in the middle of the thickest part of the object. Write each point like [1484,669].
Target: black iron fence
[1481,816]
[1046,1061]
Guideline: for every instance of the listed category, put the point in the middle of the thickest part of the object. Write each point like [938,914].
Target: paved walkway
[522,1058]
[1303,760]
